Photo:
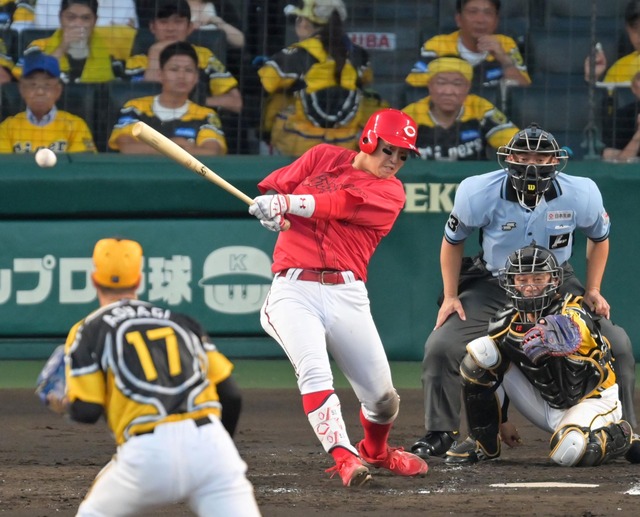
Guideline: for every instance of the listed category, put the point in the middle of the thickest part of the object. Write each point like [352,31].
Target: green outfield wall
[206,256]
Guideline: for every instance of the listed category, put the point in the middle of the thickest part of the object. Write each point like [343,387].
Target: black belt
[198,421]
[325,277]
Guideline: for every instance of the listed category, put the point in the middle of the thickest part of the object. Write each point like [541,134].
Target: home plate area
[51,463]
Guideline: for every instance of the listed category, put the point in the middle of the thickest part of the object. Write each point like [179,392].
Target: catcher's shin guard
[568,445]
[575,446]
[482,406]
[633,454]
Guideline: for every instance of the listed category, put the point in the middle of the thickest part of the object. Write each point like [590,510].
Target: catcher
[545,353]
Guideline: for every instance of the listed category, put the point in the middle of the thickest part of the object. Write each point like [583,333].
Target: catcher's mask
[532,160]
[526,261]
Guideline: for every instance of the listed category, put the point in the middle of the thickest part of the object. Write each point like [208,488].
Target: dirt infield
[47,463]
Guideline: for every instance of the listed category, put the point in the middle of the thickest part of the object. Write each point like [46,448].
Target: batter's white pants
[177,462]
[310,321]
[592,413]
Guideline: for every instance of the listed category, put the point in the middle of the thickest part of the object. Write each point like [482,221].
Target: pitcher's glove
[554,335]
[51,381]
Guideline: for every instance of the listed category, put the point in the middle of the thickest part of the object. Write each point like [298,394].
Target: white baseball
[46,158]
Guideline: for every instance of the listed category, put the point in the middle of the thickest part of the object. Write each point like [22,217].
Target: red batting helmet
[393,126]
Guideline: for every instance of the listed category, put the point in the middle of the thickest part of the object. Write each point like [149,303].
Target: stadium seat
[26,36]
[556,58]
[405,11]
[80,99]
[564,111]
[391,65]
[571,15]
[213,40]
[622,97]
[10,100]
[118,93]
[10,39]
[142,41]
[616,99]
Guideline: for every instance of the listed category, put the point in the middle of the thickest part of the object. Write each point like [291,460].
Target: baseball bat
[162,144]
[169,148]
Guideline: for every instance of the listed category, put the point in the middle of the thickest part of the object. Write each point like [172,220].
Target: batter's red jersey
[354,211]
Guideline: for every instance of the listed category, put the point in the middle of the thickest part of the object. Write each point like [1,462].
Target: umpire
[531,202]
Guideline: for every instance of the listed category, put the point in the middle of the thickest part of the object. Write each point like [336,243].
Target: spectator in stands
[495,57]
[84,55]
[7,9]
[204,16]
[42,124]
[622,134]
[315,85]
[195,128]
[452,123]
[626,67]
[6,64]
[172,23]
[46,13]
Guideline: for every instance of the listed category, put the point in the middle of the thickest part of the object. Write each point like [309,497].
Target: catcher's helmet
[393,126]
[526,261]
[530,179]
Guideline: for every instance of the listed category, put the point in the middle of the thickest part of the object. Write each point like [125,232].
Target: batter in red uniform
[340,204]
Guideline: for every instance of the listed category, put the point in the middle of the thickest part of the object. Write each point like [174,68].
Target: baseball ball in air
[46,158]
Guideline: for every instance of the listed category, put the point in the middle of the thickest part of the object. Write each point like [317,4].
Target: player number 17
[141,344]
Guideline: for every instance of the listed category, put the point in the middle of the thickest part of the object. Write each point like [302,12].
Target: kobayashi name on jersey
[118,314]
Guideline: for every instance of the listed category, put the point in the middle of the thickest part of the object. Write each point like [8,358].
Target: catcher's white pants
[310,321]
[591,413]
[177,462]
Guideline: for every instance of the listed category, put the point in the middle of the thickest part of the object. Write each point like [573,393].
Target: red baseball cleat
[397,461]
[352,471]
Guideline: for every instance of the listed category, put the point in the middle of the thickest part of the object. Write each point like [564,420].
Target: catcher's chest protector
[562,381]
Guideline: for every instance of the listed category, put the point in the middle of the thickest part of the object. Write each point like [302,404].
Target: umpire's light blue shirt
[489,202]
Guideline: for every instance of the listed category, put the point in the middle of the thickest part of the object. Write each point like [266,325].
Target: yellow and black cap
[118,263]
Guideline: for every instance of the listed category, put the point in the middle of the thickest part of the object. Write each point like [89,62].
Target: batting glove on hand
[272,206]
[277,224]
[269,207]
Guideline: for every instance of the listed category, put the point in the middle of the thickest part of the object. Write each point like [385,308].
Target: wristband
[302,205]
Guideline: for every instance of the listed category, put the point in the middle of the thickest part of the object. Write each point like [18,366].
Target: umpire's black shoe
[469,452]
[435,443]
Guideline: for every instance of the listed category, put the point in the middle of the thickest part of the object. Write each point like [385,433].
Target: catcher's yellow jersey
[589,368]
[479,124]
[145,365]
[221,81]
[486,73]
[198,124]
[66,133]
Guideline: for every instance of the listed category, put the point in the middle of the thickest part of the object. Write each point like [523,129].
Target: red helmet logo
[393,126]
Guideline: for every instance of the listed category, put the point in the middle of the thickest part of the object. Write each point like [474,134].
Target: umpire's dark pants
[445,348]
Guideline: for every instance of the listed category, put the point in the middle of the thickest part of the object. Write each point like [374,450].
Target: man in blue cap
[42,125]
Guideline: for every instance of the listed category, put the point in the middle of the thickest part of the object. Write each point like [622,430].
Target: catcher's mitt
[51,378]
[554,335]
